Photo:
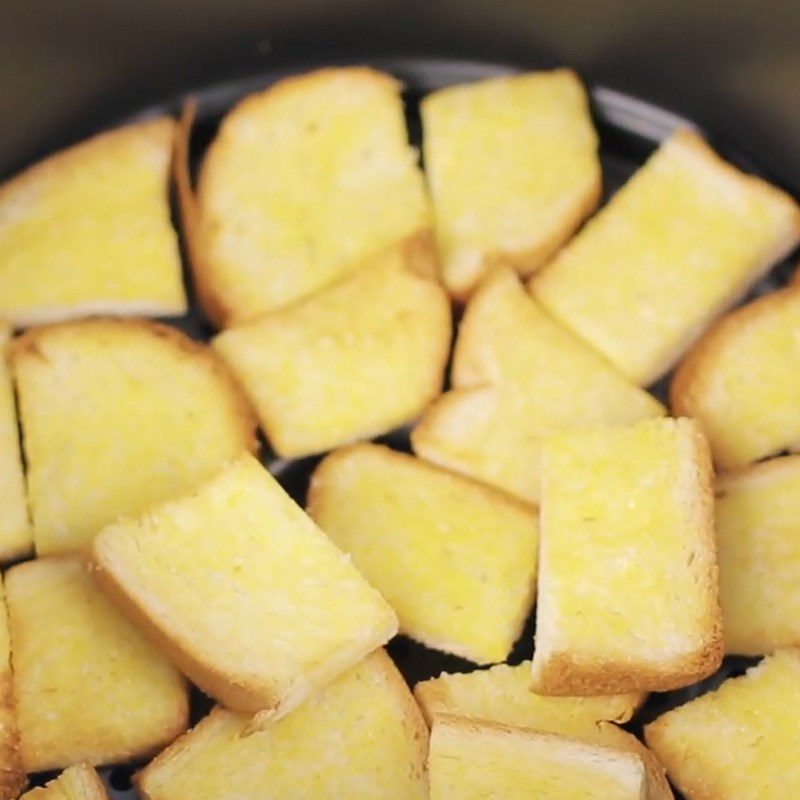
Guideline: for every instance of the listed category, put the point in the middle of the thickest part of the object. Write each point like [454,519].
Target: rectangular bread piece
[303,182]
[88,685]
[16,534]
[517,376]
[473,760]
[12,770]
[362,736]
[678,244]
[513,170]
[628,595]
[351,362]
[87,231]
[80,782]
[250,599]
[740,741]
[758,544]
[741,381]
[454,558]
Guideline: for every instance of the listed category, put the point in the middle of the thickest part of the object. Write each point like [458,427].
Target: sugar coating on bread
[79,782]
[681,241]
[350,362]
[89,686]
[118,415]
[472,760]
[737,743]
[246,594]
[758,546]
[628,596]
[502,694]
[88,231]
[454,558]
[362,736]
[519,375]
[16,535]
[741,381]
[513,170]
[12,771]
[303,182]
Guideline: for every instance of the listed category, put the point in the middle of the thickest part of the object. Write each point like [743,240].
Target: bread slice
[501,694]
[118,415]
[252,601]
[362,736]
[758,542]
[628,597]
[303,182]
[739,741]
[474,760]
[454,558]
[12,771]
[350,362]
[80,782]
[16,535]
[681,241]
[742,381]
[87,231]
[513,169]
[518,376]
[89,687]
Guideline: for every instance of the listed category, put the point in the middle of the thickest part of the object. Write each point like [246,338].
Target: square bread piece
[303,182]
[513,170]
[501,694]
[681,241]
[351,362]
[246,594]
[454,558]
[758,547]
[742,381]
[80,782]
[88,231]
[519,375]
[89,686]
[739,742]
[12,771]
[362,736]
[118,415]
[476,760]
[628,597]
[16,535]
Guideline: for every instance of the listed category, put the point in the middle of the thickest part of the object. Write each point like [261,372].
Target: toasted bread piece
[681,241]
[628,597]
[739,742]
[501,694]
[89,686]
[303,182]
[80,782]
[16,534]
[350,362]
[543,379]
[12,771]
[362,736]
[87,231]
[513,170]
[252,600]
[758,545]
[454,558]
[742,381]
[476,760]
[118,415]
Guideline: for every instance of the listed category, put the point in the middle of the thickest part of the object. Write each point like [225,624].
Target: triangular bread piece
[80,782]
[88,231]
[118,415]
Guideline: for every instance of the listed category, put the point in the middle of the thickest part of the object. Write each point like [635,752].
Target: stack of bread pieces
[149,550]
